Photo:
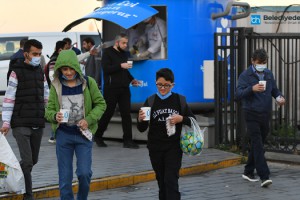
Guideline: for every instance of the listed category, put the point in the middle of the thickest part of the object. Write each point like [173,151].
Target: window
[143,36]
[9,46]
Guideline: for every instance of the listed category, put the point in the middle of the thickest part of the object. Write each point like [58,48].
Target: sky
[53,15]
[45,15]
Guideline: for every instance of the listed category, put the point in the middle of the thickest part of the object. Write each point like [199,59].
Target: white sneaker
[250,178]
[52,140]
[266,183]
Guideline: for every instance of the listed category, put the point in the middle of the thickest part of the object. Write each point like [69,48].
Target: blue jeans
[68,141]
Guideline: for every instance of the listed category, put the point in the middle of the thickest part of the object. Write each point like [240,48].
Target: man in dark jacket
[116,90]
[24,108]
[16,56]
[256,87]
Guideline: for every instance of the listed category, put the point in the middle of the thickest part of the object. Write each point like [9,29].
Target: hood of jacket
[67,58]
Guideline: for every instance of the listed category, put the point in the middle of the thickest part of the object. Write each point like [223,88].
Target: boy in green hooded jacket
[85,105]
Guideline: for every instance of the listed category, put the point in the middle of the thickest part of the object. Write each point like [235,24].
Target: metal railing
[232,56]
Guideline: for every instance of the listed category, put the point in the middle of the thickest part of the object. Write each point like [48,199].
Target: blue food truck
[188,48]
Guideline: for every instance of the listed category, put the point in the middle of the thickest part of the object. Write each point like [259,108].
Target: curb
[128,179]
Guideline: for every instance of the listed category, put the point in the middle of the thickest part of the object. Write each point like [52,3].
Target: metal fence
[232,56]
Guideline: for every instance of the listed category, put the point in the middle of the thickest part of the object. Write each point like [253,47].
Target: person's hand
[145,54]
[175,119]
[4,130]
[132,51]
[126,65]
[258,88]
[280,101]
[142,115]
[139,43]
[59,117]
[83,124]
[135,82]
[94,51]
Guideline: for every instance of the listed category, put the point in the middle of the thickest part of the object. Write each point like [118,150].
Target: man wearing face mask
[116,90]
[24,108]
[256,100]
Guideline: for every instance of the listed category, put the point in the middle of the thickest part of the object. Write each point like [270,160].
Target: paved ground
[107,162]
[225,184]
[219,184]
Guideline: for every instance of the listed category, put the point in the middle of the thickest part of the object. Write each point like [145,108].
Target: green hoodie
[94,103]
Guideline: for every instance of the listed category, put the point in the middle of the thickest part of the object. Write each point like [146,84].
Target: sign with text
[124,13]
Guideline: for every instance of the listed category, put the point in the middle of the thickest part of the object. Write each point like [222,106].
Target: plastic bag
[11,175]
[192,138]
[171,129]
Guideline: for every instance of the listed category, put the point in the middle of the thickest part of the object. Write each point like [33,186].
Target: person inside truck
[155,37]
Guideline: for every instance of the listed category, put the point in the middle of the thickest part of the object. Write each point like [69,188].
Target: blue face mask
[65,78]
[35,61]
[162,97]
[260,68]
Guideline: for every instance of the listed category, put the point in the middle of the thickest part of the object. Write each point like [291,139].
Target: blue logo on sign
[255,19]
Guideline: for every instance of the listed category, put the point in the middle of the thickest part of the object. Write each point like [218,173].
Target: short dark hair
[89,40]
[60,45]
[37,44]
[165,73]
[22,42]
[260,55]
[67,40]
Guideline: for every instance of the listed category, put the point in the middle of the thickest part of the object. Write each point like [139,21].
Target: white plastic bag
[171,129]
[11,175]
[192,138]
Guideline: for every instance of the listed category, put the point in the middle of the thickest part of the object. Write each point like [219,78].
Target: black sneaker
[100,142]
[265,182]
[131,145]
[250,177]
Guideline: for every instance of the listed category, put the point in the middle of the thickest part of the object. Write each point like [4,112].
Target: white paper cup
[147,111]
[264,83]
[65,113]
[130,62]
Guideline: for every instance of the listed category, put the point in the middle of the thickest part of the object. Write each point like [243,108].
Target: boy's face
[164,86]
[68,72]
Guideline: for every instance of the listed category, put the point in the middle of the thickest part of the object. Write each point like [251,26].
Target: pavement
[120,173]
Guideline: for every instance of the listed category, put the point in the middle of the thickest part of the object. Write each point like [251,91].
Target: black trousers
[257,130]
[120,96]
[166,165]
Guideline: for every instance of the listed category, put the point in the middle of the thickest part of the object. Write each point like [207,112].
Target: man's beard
[119,48]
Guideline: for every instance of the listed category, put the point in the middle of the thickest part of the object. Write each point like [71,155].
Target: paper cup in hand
[147,111]
[264,83]
[130,63]
[65,113]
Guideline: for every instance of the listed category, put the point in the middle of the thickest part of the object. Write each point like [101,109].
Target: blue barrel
[190,41]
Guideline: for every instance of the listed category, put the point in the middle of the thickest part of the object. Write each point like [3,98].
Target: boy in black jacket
[164,151]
